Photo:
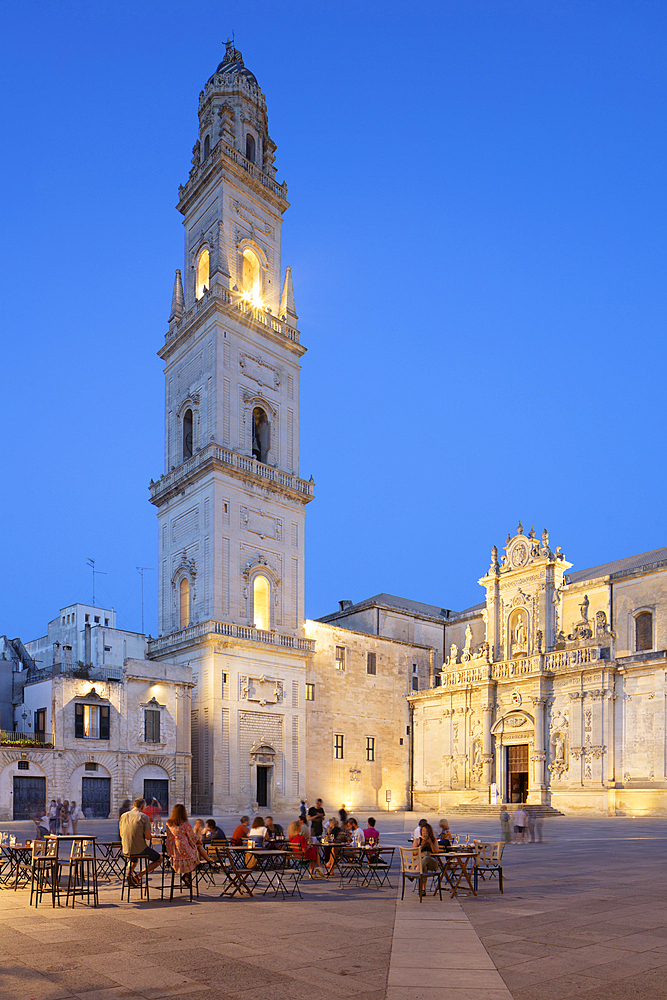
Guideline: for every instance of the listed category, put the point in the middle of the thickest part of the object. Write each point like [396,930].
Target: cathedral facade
[553,690]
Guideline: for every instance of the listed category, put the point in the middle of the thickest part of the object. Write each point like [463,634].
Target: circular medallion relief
[520,554]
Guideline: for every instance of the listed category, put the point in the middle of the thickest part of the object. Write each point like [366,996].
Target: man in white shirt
[356,834]
[519,820]
[417,832]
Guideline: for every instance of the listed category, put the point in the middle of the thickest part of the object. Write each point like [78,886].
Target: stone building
[98,729]
[553,691]
[231,505]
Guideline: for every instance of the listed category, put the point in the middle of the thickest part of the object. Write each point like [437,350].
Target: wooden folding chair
[489,862]
[412,869]
[237,876]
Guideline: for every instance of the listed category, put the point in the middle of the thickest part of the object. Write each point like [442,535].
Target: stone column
[539,753]
[487,746]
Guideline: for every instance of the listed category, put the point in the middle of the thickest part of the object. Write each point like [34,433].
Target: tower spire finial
[177,298]
[287,307]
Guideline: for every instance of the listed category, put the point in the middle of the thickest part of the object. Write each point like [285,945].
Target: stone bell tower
[231,505]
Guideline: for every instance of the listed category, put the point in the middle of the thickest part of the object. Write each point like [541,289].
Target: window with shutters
[151,725]
[40,724]
[310,692]
[370,663]
[644,631]
[91,722]
[339,746]
[185,602]
[370,748]
[340,657]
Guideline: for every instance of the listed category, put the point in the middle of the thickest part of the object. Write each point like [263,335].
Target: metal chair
[412,869]
[139,873]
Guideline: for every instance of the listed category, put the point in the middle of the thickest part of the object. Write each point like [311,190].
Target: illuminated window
[310,692]
[370,663]
[250,147]
[202,273]
[250,277]
[644,631]
[261,592]
[340,657]
[261,434]
[370,748]
[91,722]
[339,743]
[185,602]
[207,145]
[187,434]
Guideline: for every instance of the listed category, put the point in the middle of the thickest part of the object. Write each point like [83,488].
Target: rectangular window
[106,621]
[370,663]
[340,657]
[40,724]
[370,748]
[87,618]
[90,766]
[151,726]
[415,668]
[415,683]
[91,722]
[339,746]
[97,619]
[310,692]
[107,649]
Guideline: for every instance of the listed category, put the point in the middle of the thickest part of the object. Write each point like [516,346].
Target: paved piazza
[583,914]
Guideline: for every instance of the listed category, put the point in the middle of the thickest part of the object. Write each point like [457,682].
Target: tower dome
[233,63]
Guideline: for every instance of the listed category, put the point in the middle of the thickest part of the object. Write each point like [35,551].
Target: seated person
[301,848]
[341,838]
[444,836]
[213,832]
[258,833]
[429,846]
[42,825]
[274,830]
[417,832]
[356,835]
[241,832]
[371,836]
[198,828]
[135,835]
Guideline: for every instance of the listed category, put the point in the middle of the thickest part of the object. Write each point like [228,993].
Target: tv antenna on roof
[99,572]
[141,570]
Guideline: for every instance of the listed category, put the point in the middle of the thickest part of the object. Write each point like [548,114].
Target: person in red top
[301,849]
[371,836]
[241,831]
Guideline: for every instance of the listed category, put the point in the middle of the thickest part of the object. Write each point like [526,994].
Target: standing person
[241,832]
[320,810]
[519,820]
[64,817]
[59,806]
[532,817]
[303,811]
[505,831]
[74,817]
[342,813]
[184,849]
[135,835]
[315,822]
[42,824]
[53,817]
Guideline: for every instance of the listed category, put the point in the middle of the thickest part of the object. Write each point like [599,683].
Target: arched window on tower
[250,278]
[202,273]
[644,631]
[207,145]
[187,434]
[250,147]
[261,594]
[185,602]
[261,434]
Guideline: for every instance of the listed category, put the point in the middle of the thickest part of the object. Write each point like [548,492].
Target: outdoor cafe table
[14,864]
[454,867]
[272,864]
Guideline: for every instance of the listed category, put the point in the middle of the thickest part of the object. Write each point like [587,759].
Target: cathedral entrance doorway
[262,787]
[517,772]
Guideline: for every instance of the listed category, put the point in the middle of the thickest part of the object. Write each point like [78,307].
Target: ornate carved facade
[558,693]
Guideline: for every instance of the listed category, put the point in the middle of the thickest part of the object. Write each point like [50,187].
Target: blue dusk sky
[477,236]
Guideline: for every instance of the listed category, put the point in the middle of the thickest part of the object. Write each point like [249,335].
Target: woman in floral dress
[183,847]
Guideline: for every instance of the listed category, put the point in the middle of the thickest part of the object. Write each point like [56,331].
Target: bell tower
[231,505]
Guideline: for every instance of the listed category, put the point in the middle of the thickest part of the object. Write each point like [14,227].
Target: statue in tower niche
[520,637]
[583,607]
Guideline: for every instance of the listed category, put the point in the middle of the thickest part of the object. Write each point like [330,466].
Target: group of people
[183,846]
[525,823]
